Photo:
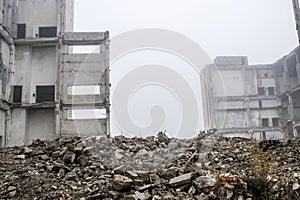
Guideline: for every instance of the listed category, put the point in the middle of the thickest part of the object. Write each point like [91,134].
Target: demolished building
[252,100]
[47,90]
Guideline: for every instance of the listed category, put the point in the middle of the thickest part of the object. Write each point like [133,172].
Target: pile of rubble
[206,167]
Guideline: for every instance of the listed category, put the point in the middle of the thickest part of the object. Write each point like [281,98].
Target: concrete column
[285,76]
[298,68]
[291,107]
[58,89]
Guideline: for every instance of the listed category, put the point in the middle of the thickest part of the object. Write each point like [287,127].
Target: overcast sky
[264,30]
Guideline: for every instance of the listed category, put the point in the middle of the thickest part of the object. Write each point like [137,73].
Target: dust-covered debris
[150,168]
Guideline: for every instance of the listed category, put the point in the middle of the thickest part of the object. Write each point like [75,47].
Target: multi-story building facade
[287,72]
[46,90]
[241,100]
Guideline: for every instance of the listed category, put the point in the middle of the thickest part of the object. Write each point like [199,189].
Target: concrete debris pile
[206,167]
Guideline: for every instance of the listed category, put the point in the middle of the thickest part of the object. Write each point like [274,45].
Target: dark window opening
[50,31]
[275,122]
[21,31]
[45,93]
[260,104]
[266,74]
[261,91]
[1,141]
[265,122]
[17,98]
[271,90]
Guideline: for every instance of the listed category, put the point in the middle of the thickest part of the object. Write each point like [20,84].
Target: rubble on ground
[206,167]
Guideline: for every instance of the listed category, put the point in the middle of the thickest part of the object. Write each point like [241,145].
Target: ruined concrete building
[46,90]
[252,100]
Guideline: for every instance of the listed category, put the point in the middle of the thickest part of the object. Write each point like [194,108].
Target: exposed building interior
[42,79]
[242,98]
[258,100]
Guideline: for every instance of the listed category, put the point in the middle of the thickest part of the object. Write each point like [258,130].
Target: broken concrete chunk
[204,181]
[20,157]
[71,176]
[11,188]
[181,180]
[121,182]
[82,160]
[27,150]
[69,157]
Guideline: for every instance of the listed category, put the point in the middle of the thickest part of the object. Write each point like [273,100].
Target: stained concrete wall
[34,66]
[41,125]
[2,127]
[228,83]
[235,104]
[18,127]
[37,13]
[8,15]
[69,16]
[5,70]
[251,82]
[43,69]
[21,73]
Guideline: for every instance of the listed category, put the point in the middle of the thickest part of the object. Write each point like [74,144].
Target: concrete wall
[251,82]
[18,127]
[41,125]
[228,83]
[34,66]
[5,70]
[69,20]
[2,127]
[21,73]
[8,15]
[37,13]
[43,69]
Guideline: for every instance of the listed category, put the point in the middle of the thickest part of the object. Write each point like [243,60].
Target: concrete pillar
[291,107]
[298,68]
[285,76]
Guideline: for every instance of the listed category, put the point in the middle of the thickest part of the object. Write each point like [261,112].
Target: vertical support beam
[297,16]
[285,75]
[58,89]
[7,126]
[107,74]
[298,67]
[291,107]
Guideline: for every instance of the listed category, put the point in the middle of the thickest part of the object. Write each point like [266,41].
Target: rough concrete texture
[136,168]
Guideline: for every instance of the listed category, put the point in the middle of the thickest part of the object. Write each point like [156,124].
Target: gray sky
[264,30]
